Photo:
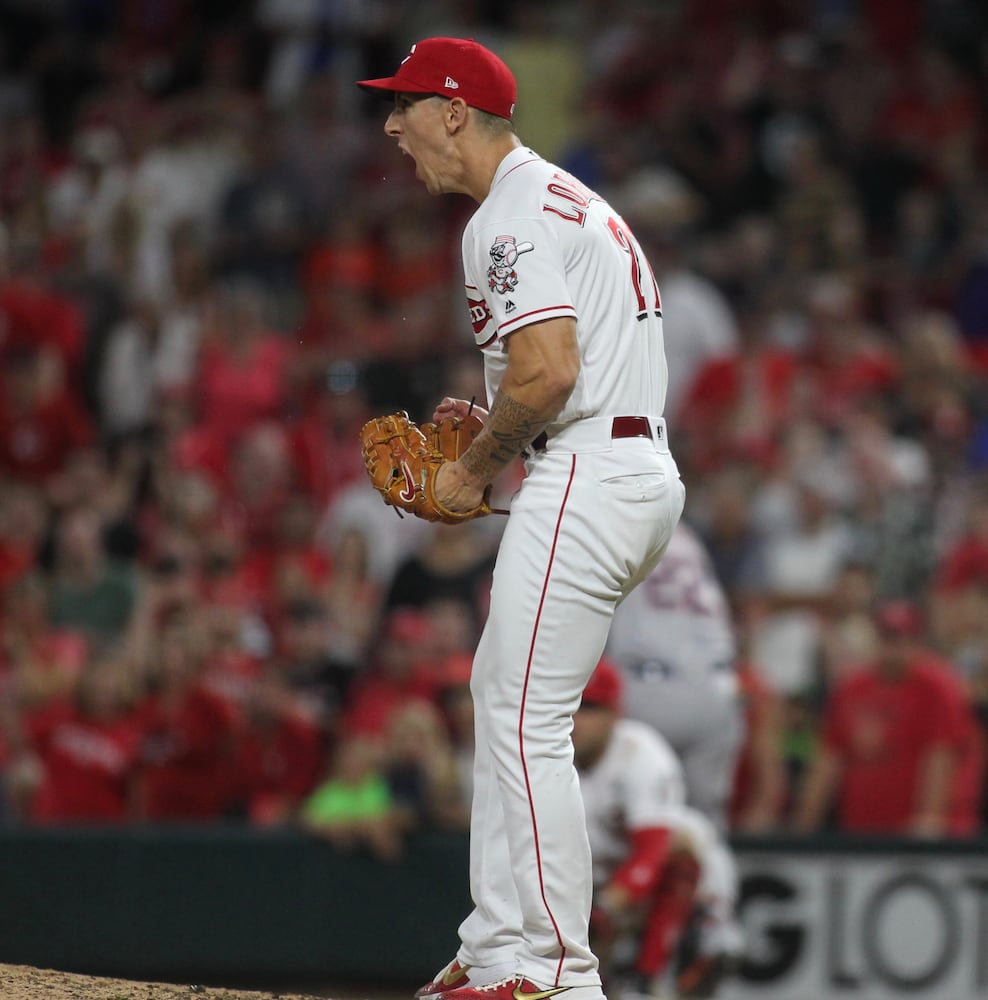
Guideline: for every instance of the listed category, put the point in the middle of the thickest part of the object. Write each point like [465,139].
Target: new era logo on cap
[453,67]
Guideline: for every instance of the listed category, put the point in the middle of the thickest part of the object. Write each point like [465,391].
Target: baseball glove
[402,460]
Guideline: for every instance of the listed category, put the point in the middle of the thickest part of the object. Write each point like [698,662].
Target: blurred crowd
[214,267]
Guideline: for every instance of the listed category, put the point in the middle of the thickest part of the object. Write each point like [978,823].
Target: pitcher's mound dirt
[21,982]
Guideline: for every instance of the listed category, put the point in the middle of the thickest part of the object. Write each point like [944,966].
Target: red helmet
[605,686]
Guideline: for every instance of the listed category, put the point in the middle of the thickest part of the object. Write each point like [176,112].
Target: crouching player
[659,868]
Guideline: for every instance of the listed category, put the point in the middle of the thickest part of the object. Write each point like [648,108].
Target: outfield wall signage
[873,926]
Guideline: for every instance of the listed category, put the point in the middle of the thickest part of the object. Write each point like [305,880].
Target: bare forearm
[817,793]
[509,429]
[933,793]
[542,370]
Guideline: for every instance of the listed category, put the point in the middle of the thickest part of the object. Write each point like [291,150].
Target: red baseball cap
[455,672]
[408,625]
[604,687]
[899,617]
[453,67]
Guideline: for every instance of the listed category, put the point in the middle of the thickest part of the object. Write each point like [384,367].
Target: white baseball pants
[591,519]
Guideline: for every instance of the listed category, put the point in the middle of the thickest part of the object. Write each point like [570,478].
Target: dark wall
[228,905]
[235,906]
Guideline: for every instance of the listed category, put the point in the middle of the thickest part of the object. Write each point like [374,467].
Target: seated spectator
[89,591]
[41,421]
[456,704]
[292,567]
[387,541]
[236,645]
[265,211]
[23,521]
[169,587]
[279,754]
[225,577]
[188,734]
[325,439]
[849,638]
[760,784]
[900,752]
[846,359]
[886,492]
[421,770]
[337,279]
[241,366]
[87,750]
[33,314]
[402,669]
[453,622]
[793,574]
[352,600]
[725,524]
[453,564]
[352,808]
[261,477]
[305,661]
[40,662]
[107,481]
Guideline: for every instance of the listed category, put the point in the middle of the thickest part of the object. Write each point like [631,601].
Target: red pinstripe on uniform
[521,720]
[523,319]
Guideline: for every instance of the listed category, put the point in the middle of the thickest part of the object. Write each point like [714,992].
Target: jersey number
[577,198]
[622,234]
[680,584]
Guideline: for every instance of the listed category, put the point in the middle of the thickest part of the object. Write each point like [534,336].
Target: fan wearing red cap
[565,312]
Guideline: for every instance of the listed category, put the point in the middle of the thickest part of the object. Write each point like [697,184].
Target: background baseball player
[576,376]
[657,862]
[673,641]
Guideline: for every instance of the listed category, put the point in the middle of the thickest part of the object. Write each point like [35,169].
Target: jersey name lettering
[569,189]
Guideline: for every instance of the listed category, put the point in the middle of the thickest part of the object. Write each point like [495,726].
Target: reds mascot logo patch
[501,275]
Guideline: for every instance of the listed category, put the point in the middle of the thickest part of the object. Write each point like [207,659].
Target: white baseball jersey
[590,519]
[677,622]
[673,641]
[565,252]
[637,784]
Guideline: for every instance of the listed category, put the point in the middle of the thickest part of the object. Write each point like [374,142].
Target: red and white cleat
[457,977]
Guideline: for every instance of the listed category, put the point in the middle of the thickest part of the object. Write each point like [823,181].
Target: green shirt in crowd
[335,801]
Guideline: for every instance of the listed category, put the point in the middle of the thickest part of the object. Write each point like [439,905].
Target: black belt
[621,427]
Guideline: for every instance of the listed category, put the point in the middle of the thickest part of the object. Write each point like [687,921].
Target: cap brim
[387,86]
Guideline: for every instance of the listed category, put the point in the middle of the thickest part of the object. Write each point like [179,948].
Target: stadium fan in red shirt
[242,365]
[87,750]
[188,740]
[41,421]
[901,751]
[281,753]
[402,669]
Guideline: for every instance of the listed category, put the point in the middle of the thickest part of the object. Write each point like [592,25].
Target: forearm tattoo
[509,428]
